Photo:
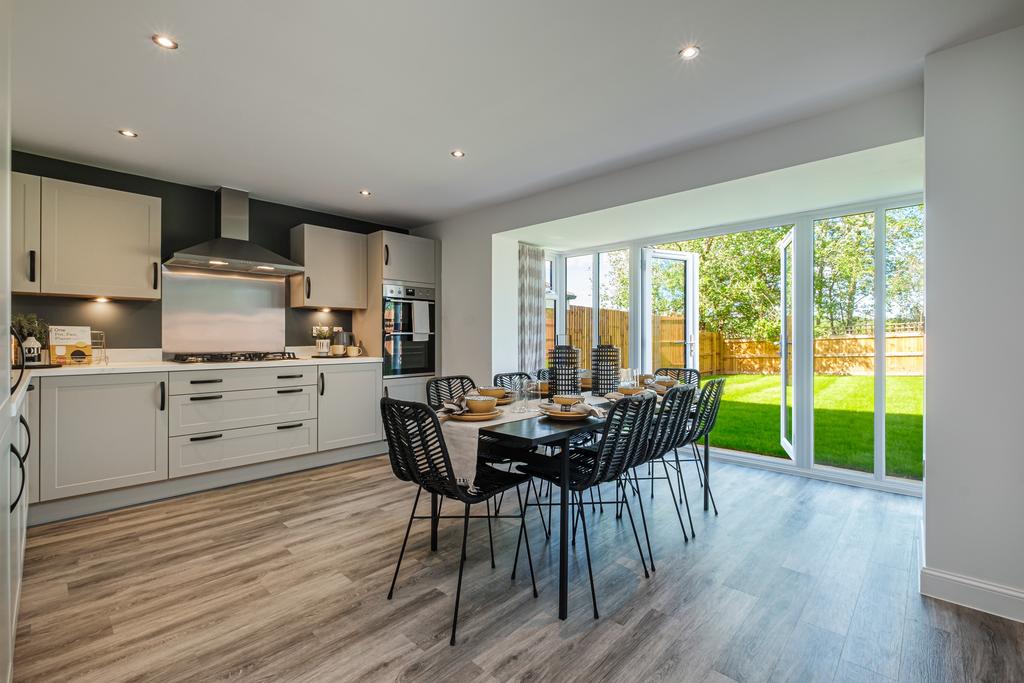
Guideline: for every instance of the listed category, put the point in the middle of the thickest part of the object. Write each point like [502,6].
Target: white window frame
[802,462]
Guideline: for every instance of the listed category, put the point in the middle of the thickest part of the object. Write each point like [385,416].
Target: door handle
[28,433]
[206,381]
[289,376]
[387,254]
[386,393]
[208,437]
[31,265]
[309,286]
[21,466]
[211,397]
[290,391]
[163,395]
[156,275]
[323,384]
[297,424]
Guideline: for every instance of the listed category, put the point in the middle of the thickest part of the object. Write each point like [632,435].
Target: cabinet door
[25,233]
[348,412]
[8,611]
[99,242]
[31,413]
[237,447]
[409,389]
[408,258]
[101,432]
[335,268]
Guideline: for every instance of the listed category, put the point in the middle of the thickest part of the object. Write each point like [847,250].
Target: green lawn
[843,421]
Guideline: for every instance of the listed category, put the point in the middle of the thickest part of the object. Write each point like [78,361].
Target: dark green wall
[187,217]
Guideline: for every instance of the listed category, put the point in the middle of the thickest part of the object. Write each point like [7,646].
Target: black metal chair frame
[513,381]
[418,454]
[623,443]
[699,429]
[681,375]
[449,388]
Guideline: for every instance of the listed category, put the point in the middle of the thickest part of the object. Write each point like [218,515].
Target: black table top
[540,430]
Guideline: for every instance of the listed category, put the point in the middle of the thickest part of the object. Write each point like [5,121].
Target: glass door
[786,342]
[670,309]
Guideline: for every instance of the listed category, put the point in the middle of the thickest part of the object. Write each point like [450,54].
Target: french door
[670,311]
[786,342]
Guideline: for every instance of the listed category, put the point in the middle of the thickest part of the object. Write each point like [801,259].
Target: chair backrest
[683,375]
[416,446]
[450,388]
[544,374]
[513,381]
[625,436]
[671,421]
[706,413]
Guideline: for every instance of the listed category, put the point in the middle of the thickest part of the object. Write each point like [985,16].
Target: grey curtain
[531,308]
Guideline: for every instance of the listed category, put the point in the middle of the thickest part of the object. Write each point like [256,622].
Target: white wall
[467,259]
[974,470]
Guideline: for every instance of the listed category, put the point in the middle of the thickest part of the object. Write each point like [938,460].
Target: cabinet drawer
[236,447]
[208,381]
[196,413]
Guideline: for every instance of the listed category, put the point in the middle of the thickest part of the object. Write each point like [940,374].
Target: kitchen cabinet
[25,192]
[8,601]
[407,388]
[396,256]
[95,241]
[196,413]
[236,447]
[348,411]
[30,432]
[101,432]
[238,379]
[335,268]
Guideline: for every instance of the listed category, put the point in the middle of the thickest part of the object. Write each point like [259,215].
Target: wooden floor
[285,579]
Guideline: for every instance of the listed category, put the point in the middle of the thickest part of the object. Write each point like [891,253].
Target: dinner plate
[475,417]
[568,416]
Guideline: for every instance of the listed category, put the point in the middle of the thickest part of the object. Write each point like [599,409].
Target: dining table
[529,431]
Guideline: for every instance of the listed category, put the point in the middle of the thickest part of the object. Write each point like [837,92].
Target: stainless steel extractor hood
[231,251]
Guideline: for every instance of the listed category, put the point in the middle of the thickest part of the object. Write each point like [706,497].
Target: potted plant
[322,335]
[34,334]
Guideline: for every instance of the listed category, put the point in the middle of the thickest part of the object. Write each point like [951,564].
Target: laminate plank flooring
[285,579]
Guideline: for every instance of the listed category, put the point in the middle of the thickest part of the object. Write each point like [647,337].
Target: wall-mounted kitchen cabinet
[335,268]
[79,240]
[101,432]
[396,256]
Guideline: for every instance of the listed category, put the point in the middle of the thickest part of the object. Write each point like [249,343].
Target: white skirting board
[67,508]
[981,595]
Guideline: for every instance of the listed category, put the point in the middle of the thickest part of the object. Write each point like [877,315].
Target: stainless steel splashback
[218,313]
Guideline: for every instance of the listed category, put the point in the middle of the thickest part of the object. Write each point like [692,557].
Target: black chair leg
[525,535]
[643,519]
[586,546]
[682,525]
[490,538]
[679,474]
[700,470]
[540,510]
[462,564]
[405,540]
[636,536]
[599,499]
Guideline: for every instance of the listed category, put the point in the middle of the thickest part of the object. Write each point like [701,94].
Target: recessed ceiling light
[689,52]
[264,267]
[325,310]
[219,263]
[165,41]
[458,153]
[128,133]
[101,300]
[365,193]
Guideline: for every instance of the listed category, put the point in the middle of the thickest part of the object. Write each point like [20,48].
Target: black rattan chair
[417,452]
[699,428]
[450,388]
[681,375]
[513,381]
[544,374]
[624,442]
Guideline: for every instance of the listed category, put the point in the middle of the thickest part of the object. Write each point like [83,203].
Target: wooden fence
[851,354]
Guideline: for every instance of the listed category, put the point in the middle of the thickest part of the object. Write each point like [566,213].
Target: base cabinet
[101,432]
[236,447]
[407,388]
[349,405]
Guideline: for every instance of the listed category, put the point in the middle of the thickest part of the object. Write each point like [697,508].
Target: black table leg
[434,520]
[563,536]
[707,469]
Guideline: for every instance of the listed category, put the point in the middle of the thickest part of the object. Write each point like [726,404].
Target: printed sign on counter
[70,345]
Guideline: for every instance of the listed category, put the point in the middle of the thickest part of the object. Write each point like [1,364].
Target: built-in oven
[408,329]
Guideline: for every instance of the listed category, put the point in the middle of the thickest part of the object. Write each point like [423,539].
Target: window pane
[904,342]
[548,277]
[579,304]
[613,321]
[844,344]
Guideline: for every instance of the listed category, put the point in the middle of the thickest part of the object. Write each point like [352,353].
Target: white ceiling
[888,171]
[307,101]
